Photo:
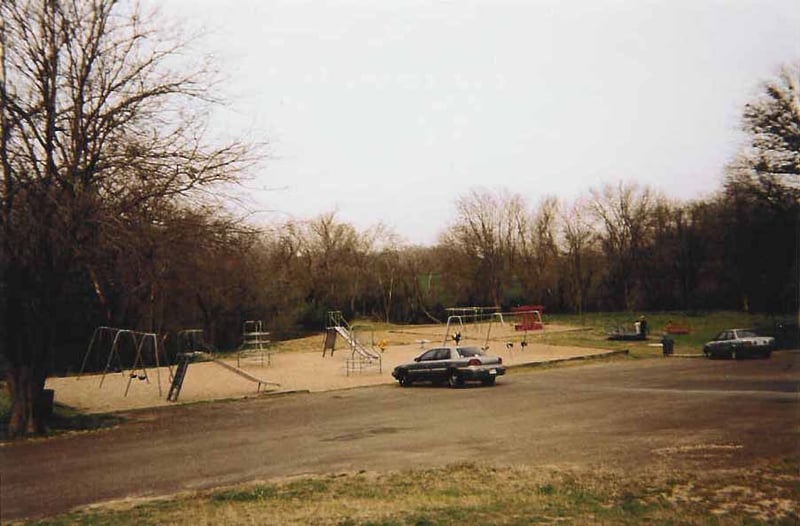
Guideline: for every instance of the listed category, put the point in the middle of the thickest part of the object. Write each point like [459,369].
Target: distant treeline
[620,247]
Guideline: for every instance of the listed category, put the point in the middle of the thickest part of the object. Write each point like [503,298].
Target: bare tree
[487,233]
[579,240]
[331,254]
[100,132]
[625,213]
[542,255]
[333,265]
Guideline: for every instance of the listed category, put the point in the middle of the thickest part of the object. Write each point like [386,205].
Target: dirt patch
[298,366]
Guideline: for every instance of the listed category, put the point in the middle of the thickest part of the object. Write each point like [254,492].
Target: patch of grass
[702,327]
[68,419]
[633,505]
[547,489]
[64,418]
[301,489]
[476,494]
[258,493]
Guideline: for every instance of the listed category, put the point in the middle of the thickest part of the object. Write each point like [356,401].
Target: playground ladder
[180,374]
[255,338]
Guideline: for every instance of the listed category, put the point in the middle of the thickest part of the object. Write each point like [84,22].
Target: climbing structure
[255,338]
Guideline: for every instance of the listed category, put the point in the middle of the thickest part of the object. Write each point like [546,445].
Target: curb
[624,352]
[269,394]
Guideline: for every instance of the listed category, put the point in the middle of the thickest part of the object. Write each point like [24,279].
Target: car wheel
[454,380]
[489,381]
[404,380]
[767,355]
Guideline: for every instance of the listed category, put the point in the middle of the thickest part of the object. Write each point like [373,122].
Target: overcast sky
[387,111]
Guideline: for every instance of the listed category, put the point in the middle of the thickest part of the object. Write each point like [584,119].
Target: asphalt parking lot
[644,415]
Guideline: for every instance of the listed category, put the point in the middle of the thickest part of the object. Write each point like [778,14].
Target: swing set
[127,342]
[121,344]
[466,320]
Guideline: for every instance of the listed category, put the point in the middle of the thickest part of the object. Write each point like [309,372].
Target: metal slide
[337,322]
[184,359]
[240,372]
[356,345]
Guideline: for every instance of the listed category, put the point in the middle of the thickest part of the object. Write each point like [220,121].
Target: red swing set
[528,317]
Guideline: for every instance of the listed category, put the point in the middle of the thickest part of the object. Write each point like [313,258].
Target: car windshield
[469,351]
[746,334]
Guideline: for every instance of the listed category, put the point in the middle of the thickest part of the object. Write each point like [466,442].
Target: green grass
[64,419]
[471,493]
[68,419]
[702,327]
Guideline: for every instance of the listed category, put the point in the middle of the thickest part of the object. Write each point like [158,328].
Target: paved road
[632,414]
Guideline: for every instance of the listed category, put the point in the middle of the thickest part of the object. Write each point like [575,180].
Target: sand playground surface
[301,369]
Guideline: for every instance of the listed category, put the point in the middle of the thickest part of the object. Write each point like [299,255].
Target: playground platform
[302,370]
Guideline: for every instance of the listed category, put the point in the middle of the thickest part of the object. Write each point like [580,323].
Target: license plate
[492,371]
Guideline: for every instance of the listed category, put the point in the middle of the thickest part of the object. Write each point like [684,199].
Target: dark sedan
[454,365]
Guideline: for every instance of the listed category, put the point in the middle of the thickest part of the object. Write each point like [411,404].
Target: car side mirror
[416,359]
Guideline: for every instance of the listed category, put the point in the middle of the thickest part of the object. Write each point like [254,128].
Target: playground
[356,356]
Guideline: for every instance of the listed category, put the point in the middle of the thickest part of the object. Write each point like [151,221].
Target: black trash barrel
[44,403]
[667,345]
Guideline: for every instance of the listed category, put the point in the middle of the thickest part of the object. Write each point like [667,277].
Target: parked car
[454,365]
[739,343]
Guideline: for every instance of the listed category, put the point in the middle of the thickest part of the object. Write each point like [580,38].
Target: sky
[387,112]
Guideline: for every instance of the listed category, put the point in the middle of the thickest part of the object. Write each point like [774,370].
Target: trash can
[667,345]
[44,403]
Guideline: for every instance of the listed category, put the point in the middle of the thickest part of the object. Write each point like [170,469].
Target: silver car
[454,365]
[739,343]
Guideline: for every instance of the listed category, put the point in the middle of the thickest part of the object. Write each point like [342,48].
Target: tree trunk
[27,345]
[26,388]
